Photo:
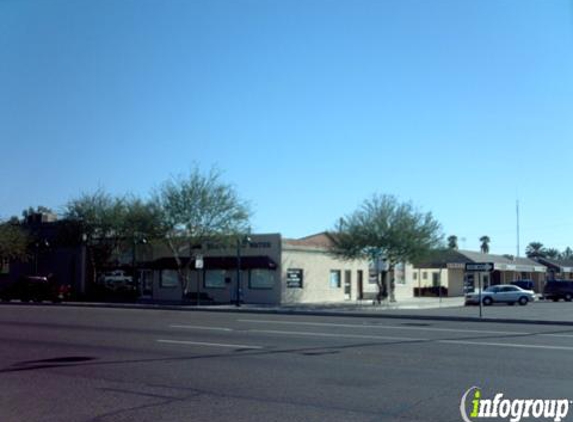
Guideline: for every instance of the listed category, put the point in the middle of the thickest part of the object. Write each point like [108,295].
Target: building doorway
[347,284]
[146,284]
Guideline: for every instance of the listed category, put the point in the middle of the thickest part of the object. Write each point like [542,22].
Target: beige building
[273,271]
[447,269]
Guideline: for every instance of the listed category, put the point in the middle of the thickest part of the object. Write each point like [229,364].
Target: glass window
[335,279]
[261,279]
[399,273]
[415,276]
[4,266]
[215,279]
[425,275]
[168,279]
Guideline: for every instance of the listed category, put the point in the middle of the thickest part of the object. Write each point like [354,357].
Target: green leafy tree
[198,208]
[484,244]
[97,220]
[383,227]
[140,219]
[453,242]
[110,227]
[535,250]
[14,241]
[140,224]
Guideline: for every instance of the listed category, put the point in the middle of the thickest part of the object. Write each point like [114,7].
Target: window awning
[216,263]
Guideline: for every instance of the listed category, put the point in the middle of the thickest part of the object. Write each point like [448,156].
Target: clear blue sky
[308,106]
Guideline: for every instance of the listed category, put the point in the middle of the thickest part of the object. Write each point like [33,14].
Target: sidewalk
[368,305]
[446,309]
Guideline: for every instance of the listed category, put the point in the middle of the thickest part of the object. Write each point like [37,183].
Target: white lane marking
[198,327]
[199,343]
[557,335]
[306,333]
[383,327]
[514,345]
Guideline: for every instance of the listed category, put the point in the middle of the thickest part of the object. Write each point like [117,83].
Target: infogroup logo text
[513,409]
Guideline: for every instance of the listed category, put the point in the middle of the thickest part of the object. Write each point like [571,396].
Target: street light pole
[137,238]
[238,286]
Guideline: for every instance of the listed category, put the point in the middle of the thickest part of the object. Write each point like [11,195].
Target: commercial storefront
[273,271]
[449,268]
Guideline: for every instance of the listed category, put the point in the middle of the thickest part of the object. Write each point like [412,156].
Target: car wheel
[523,300]
[487,301]
[568,297]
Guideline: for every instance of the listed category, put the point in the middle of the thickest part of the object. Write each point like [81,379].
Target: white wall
[317,265]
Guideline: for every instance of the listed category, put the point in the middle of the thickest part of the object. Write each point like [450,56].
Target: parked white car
[116,280]
[501,293]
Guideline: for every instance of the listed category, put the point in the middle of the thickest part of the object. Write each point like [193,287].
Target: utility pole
[517,214]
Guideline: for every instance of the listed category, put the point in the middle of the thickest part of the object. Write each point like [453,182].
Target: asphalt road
[86,364]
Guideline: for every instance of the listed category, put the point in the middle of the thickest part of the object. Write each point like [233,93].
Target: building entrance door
[347,284]
[146,283]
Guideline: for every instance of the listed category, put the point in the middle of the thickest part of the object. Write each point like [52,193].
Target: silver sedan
[501,293]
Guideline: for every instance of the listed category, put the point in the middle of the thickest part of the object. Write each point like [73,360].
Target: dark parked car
[35,288]
[558,289]
[524,284]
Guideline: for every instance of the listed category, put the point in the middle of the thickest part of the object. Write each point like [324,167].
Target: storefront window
[215,279]
[335,279]
[399,274]
[261,279]
[4,266]
[169,279]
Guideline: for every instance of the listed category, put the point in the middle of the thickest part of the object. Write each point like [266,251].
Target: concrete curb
[310,312]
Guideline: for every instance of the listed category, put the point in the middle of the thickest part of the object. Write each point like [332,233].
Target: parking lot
[540,310]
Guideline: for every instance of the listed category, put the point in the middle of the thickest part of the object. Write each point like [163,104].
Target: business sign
[479,266]
[294,278]
[199,262]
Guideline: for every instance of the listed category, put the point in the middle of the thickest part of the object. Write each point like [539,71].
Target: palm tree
[552,253]
[567,254]
[484,244]
[452,242]
[535,250]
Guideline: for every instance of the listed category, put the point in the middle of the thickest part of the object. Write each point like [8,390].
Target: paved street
[89,364]
[541,310]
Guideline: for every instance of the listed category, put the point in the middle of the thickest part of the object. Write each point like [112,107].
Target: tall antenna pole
[517,213]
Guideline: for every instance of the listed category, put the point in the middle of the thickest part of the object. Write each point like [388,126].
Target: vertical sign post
[199,265]
[480,267]
[480,287]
